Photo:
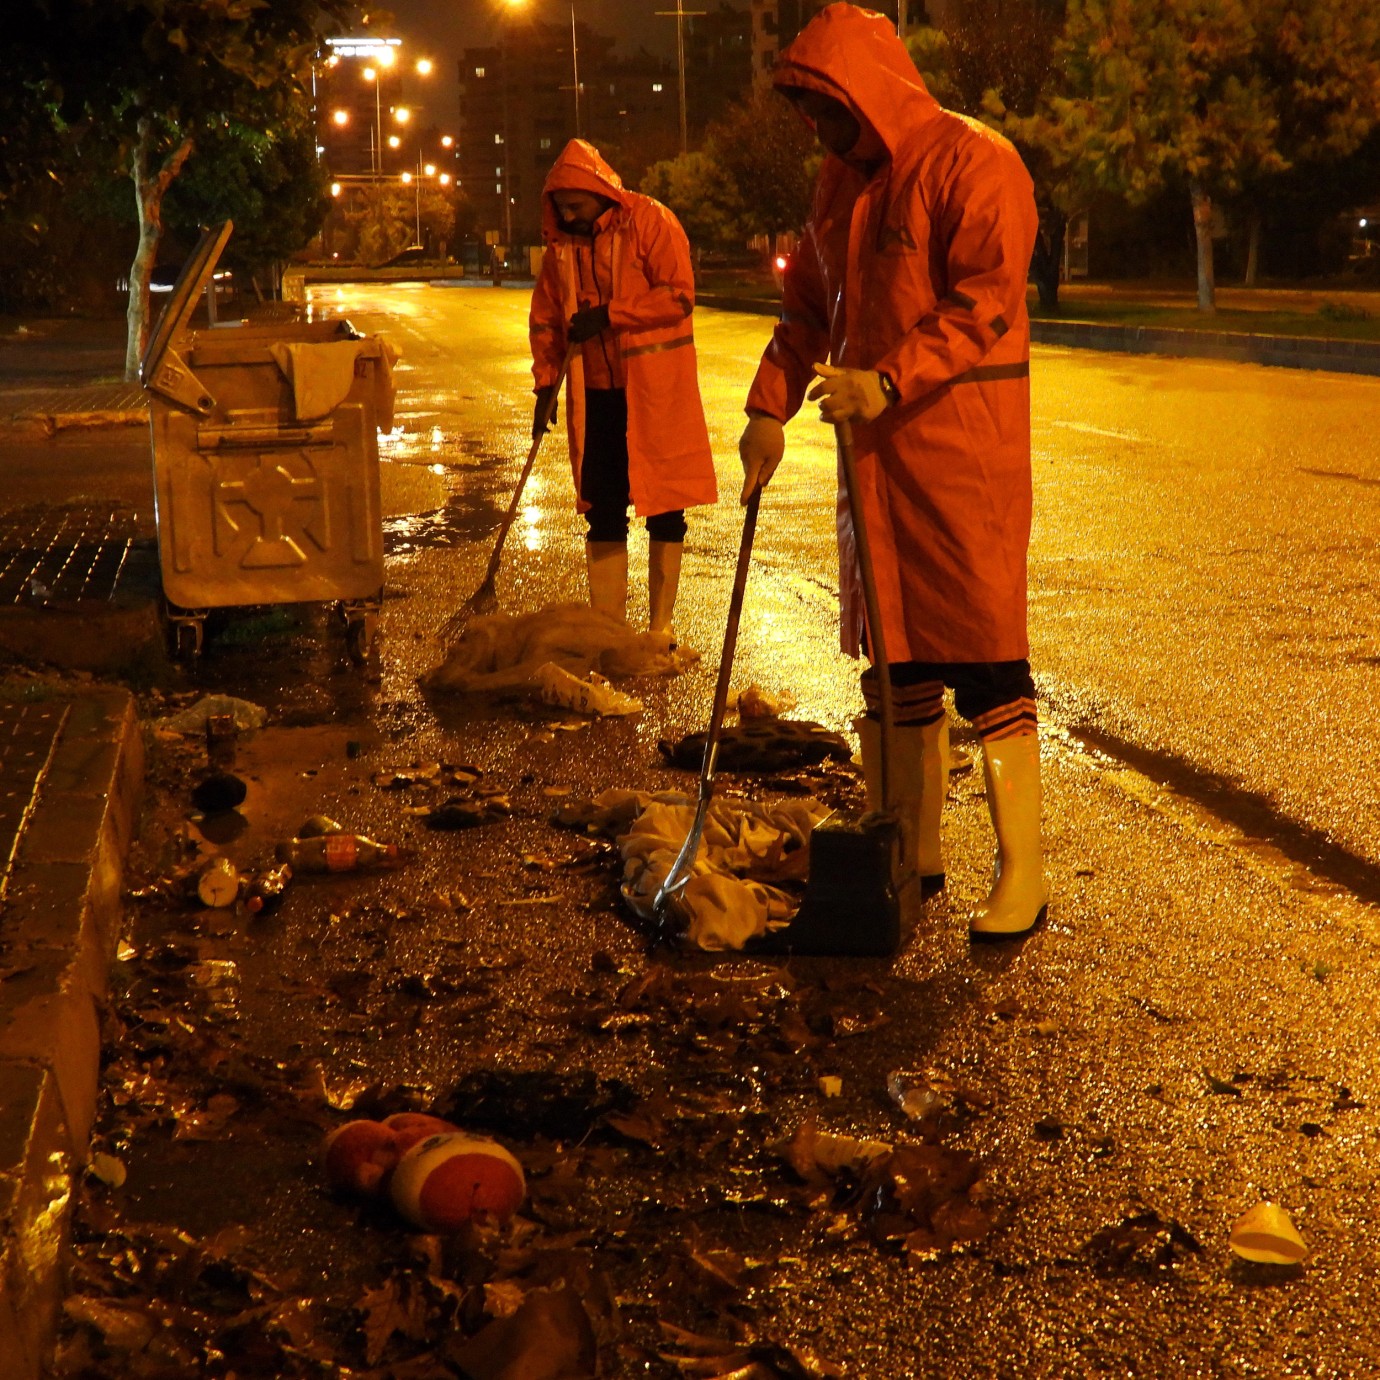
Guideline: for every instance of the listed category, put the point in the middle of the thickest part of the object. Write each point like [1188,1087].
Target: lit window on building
[656,86]
[498,172]
[498,189]
[478,71]
[498,138]
[546,143]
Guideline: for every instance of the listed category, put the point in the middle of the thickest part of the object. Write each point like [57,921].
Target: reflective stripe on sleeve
[990,373]
[663,345]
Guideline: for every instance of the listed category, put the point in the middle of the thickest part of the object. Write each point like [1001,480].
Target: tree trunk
[1253,249]
[1202,229]
[149,189]
[1047,262]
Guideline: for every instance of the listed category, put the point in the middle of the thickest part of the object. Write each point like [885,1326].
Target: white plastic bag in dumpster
[323,372]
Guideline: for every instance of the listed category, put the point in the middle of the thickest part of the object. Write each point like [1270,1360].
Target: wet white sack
[592,695]
[743,848]
[504,652]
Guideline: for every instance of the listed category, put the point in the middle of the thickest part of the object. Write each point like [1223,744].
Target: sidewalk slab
[71,772]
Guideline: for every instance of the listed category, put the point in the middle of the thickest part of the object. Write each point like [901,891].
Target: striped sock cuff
[915,705]
[1009,720]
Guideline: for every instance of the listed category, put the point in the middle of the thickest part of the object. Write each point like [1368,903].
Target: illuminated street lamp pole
[681,14]
[575,69]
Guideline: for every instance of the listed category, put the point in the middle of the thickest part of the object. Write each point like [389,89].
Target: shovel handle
[679,874]
[542,423]
[735,613]
[876,642]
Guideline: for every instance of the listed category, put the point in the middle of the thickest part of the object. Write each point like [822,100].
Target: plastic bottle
[337,853]
[266,891]
[318,825]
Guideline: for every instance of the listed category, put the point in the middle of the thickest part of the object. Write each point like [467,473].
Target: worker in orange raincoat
[910,281]
[616,281]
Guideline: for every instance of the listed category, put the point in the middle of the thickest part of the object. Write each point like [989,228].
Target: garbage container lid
[195,274]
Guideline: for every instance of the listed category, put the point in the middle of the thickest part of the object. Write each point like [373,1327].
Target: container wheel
[361,638]
[187,639]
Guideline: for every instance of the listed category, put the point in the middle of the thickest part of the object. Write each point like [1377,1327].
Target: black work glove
[544,396]
[588,322]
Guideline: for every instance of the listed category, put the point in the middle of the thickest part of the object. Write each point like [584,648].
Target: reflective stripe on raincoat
[640,250]
[918,271]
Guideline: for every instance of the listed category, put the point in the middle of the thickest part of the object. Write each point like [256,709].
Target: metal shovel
[850,906]
[484,599]
[679,874]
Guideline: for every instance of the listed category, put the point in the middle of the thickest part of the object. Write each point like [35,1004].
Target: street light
[423,170]
[681,15]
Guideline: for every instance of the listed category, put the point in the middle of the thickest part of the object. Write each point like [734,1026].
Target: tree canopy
[1214,96]
[147,80]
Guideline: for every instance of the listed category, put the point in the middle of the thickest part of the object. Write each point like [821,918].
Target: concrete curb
[58,932]
[50,423]
[1280,351]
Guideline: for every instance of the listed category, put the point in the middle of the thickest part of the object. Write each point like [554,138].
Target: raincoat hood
[854,55]
[579,168]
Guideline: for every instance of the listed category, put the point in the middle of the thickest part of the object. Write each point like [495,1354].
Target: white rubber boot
[1020,895]
[606,563]
[920,785]
[663,580]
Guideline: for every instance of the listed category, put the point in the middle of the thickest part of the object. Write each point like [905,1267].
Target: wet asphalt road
[1193,1031]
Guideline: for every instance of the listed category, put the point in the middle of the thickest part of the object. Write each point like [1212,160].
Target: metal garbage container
[265,462]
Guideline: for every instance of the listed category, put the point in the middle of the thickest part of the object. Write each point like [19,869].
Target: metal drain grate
[61,556]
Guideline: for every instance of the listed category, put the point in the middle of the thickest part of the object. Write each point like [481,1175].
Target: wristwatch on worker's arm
[889,390]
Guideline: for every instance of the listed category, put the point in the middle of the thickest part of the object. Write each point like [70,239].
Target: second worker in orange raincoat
[910,281]
[616,282]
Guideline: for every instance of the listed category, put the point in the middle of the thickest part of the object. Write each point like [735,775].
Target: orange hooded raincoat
[639,263]
[918,271]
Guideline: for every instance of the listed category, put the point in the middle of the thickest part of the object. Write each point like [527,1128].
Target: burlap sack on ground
[505,652]
[744,848]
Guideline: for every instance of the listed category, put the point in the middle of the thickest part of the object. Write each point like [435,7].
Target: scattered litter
[246,714]
[761,745]
[318,826]
[592,695]
[108,1169]
[416,774]
[755,703]
[1267,1236]
[219,883]
[265,892]
[467,811]
[438,1176]
[337,853]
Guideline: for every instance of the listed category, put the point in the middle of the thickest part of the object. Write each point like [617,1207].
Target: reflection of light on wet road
[531,534]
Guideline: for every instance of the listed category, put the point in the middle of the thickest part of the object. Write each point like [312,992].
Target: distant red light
[780,261]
